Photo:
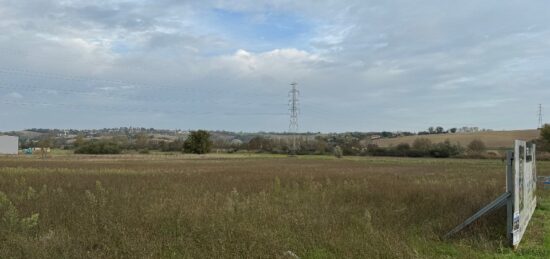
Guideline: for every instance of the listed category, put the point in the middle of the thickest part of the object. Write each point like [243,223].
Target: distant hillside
[492,139]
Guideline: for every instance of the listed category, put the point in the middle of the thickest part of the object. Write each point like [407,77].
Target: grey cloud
[401,65]
[113,17]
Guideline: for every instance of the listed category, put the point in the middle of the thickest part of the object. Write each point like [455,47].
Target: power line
[293,126]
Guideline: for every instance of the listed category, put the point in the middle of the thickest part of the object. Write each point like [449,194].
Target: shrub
[421,148]
[377,151]
[98,147]
[402,149]
[445,149]
[10,221]
[416,153]
[422,144]
[260,144]
[338,152]
[476,146]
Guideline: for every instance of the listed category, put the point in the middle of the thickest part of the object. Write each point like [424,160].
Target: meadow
[256,206]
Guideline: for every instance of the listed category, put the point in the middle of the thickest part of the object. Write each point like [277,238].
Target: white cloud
[277,62]
[351,57]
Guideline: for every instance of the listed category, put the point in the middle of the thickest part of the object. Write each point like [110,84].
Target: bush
[402,149]
[260,144]
[445,149]
[476,146]
[10,221]
[338,152]
[422,147]
[439,153]
[422,144]
[416,153]
[98,147]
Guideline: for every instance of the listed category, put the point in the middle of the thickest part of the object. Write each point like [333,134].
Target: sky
[360,65]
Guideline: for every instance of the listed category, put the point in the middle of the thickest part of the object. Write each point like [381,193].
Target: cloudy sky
[360,65]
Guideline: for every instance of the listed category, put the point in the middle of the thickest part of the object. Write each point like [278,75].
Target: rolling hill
[492,139]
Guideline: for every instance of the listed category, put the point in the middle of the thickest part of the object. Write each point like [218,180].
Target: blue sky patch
[262,31]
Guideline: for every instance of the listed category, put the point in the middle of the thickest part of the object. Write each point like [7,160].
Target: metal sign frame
[523,190]
[520,196]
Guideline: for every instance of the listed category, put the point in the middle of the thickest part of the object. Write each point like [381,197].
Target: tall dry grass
[97,207]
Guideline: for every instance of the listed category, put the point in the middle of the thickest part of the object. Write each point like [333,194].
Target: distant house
[9,145]
[373,137]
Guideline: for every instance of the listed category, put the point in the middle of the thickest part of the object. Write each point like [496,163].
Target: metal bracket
[497,203]
[504,199]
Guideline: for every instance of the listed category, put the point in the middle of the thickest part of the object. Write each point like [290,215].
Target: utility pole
[540,116]
[293,126]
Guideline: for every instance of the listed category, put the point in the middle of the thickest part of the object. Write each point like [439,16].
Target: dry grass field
[492,139]
[240,206]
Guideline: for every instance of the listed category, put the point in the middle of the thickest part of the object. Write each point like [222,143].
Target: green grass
[256,206]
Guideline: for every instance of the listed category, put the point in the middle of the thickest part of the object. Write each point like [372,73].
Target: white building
[9,145]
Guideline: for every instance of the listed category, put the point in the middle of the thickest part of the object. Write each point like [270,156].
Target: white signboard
[524,195]
[520,196]
[9,145]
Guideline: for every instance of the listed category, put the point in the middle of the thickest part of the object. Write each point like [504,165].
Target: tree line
[198,142]
[345,144]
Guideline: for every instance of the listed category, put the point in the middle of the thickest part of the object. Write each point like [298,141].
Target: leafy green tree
[543,142]
[198,142]
[545,132]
